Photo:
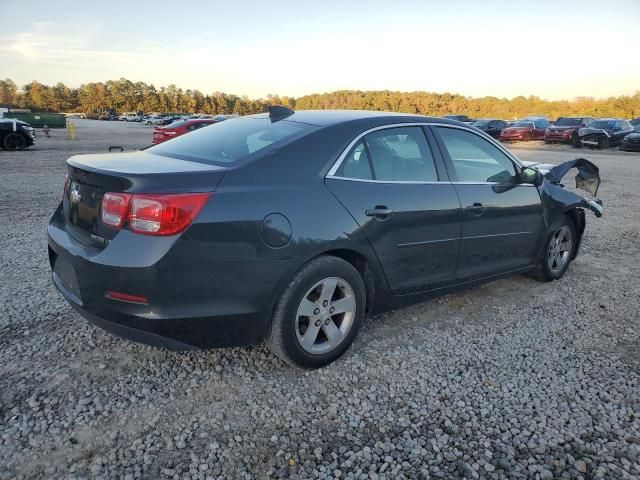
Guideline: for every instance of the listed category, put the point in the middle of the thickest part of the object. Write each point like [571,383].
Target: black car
[631,141]
[290,227]
[604,132]
[169,120]
[490,126]
[16,134]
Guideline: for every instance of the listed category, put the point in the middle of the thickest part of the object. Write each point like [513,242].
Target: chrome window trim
[338,162]
[411,182]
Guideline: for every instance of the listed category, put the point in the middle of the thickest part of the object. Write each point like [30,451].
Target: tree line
[126,96]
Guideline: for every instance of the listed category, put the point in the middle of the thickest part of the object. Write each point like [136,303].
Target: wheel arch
[576,214]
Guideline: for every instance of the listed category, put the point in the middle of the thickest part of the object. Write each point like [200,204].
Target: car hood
[563,127]
[634,135]
[516,129]
[588,131]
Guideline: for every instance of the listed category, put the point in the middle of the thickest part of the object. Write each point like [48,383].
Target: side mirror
[530,175]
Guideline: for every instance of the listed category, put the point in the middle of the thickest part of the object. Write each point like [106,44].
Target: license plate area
[65,274]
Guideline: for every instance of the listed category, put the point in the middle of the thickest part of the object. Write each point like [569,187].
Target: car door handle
[476,209]
[381,212]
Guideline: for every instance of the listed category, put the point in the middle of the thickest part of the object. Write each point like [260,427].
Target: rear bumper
[194,300]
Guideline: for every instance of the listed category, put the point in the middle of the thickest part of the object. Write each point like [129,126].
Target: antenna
[279,111]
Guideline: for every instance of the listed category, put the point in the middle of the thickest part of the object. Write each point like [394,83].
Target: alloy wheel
[560,248]
[325,315]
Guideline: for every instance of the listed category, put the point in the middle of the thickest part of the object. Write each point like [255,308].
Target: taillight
[152,214]
[115,207]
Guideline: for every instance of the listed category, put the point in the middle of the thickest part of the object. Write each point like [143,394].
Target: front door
[405,204]
[501,218]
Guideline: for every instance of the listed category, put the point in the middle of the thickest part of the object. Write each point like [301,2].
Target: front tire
[14,141]
[603,143]
[557,253]
[319,313]
[575,141]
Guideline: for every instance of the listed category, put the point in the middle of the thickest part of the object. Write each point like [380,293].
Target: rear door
[399,193]
[501,218]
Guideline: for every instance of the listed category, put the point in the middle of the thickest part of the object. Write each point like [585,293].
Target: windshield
[481,123]
[569,122]
[603,124]
[523,123]
[231,140]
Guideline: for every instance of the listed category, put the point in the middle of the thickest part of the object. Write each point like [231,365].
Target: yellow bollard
[72,130]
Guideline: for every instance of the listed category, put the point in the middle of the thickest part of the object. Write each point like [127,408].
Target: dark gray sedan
[291,227]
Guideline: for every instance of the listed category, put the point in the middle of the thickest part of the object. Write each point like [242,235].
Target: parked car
[635,121]
[525,130]
[565,130]
[604,132]
[256,230]
[154,120]
[179,127]
[631,141]
[490,126]
[459,118]
[129,117]
[16,134]
[169,120]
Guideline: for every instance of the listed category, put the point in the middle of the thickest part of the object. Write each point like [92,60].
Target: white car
[154,120]
[129,117]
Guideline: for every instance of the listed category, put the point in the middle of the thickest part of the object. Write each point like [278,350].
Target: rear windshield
[569,122]
[231,140]
[176,124]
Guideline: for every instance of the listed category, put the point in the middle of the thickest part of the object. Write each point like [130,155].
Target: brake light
[115,207]
[152,214]
[165,214]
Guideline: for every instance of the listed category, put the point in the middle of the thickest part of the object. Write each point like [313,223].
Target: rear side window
[401,155]
[231,140]
[476,159]
[356,165]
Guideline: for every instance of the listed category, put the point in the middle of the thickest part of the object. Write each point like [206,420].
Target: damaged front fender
[587,179]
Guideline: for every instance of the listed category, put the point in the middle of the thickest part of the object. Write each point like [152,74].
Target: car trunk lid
[91,176]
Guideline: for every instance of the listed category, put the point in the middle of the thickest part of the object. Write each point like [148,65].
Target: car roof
[323,118]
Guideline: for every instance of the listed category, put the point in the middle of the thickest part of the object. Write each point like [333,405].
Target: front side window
[475,159]
[401,155]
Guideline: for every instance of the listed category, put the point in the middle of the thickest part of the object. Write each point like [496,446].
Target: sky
[553,49]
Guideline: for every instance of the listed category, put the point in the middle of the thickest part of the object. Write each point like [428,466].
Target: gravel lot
[514,379]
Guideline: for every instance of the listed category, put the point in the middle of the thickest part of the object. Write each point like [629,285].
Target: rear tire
[14,141]
[557,252]
[308,330]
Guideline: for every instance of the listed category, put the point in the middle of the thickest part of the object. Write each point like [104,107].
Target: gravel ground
[514,379]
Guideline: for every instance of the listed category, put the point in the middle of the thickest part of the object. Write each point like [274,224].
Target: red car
[179,127]
[525,130]
[566,130]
